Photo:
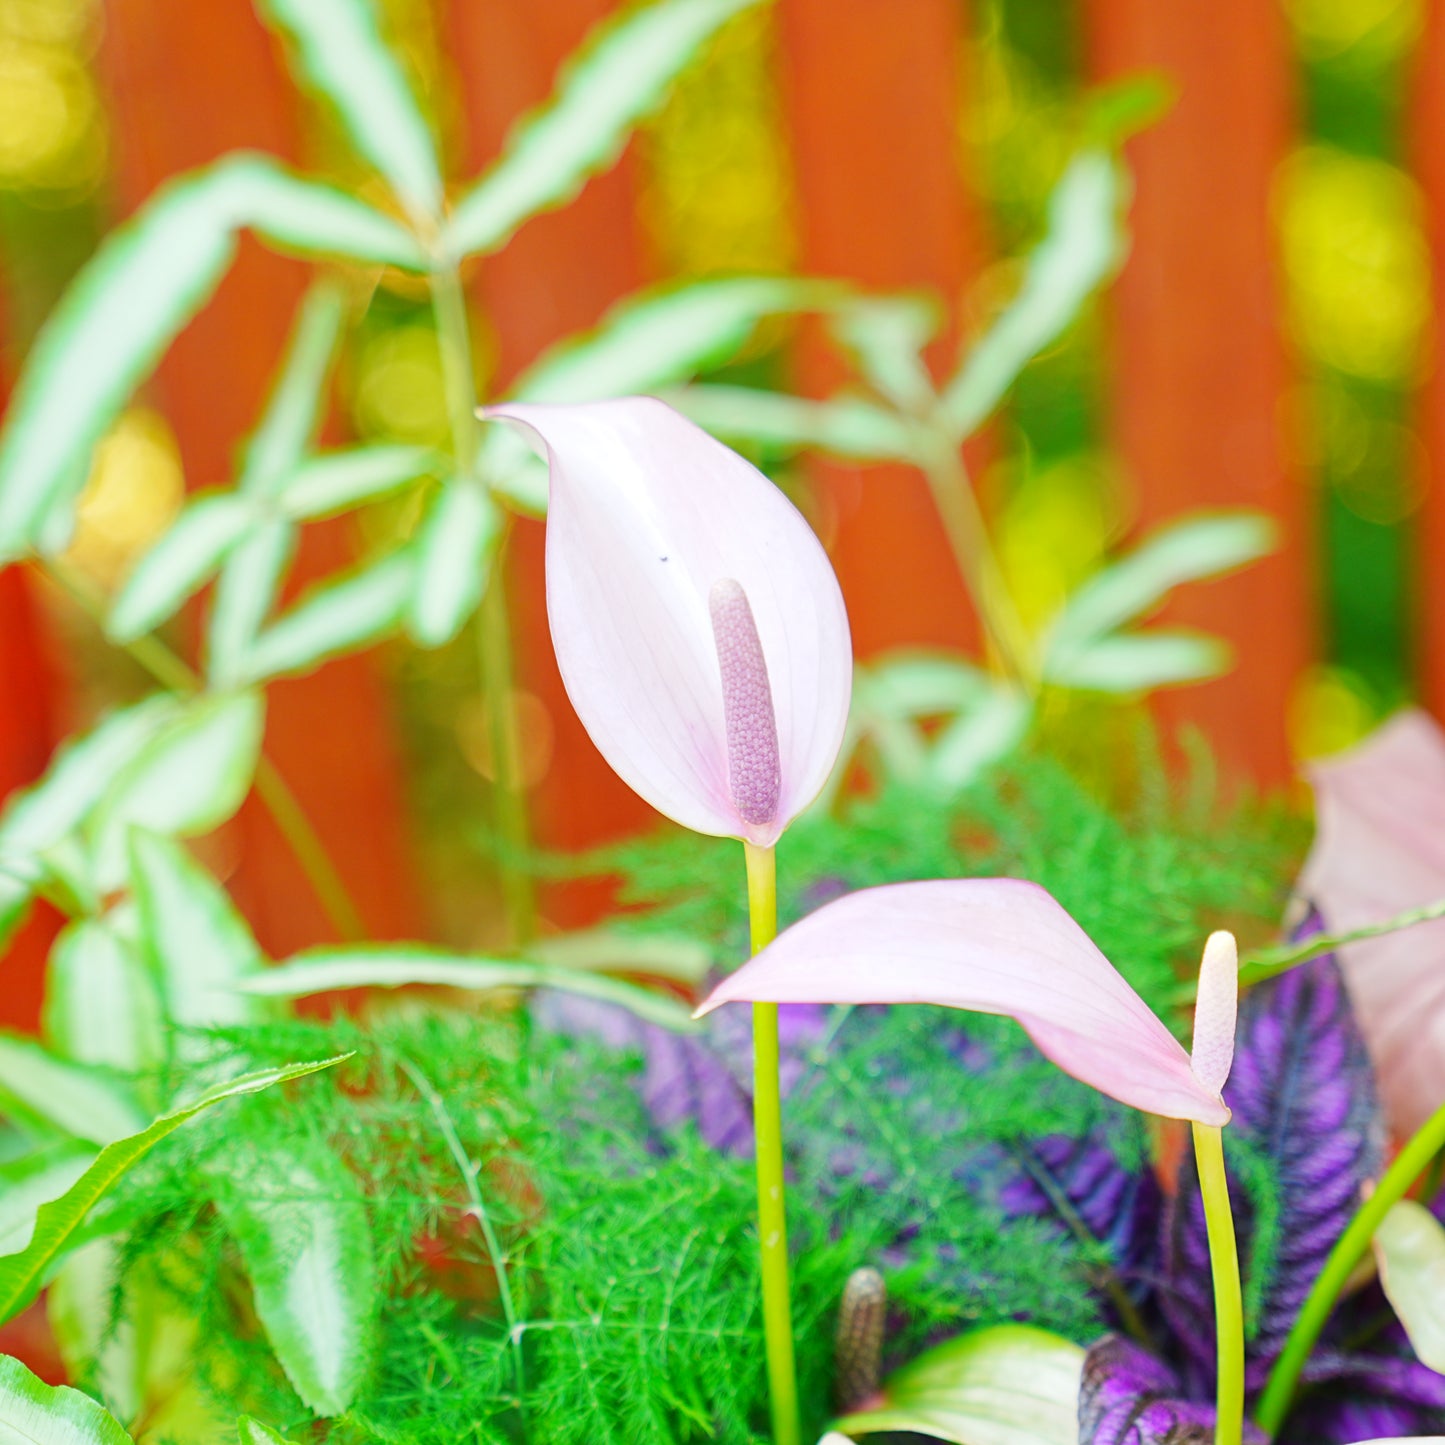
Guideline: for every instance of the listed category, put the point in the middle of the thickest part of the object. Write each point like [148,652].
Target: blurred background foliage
[716,197]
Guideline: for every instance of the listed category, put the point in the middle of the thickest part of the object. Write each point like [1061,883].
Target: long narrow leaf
[1138,662]
[1083,246]
[333,618]
[100,1002]
[35,1179]
[646,342]
[245,593]
[22,1274]
[34,1413]
[620,75]
[455,551]
[82,1102]
[341,54]
[181,561]
[323,970]
[338,481]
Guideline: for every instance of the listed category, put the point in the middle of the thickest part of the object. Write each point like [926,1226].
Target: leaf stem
[967,533]
[768,1130]
[493,629]
[1228,1299]
[1269,961]
[1350,1248]
[172,672]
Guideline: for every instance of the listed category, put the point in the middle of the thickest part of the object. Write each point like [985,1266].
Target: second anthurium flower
[698,625]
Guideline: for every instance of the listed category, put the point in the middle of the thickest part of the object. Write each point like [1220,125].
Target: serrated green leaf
[342,56]
[197,944]
[1184,551]
[845,426]
[333,618]
[100,1002]
[180,562]
[35,1179]
[34,1413]
[1084,244]
[621,73]
[301,1225]
[78,777]
[1005,1385]
[186,780]
[323,970]
[338,481]
[648,341]
[454,560]
[1137,662]
[143,284]
[75,1099]
[22,1274]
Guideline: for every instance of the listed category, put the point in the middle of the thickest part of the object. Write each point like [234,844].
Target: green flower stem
[968,539]
[768,1129]
[493,627]
[274,792]
[1350,1248]
[1224,1266]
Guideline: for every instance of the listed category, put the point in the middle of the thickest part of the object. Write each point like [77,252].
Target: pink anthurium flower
[698,625]
[996,946]
[1379,851]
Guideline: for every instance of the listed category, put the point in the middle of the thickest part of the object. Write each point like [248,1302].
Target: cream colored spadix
[1216,1007]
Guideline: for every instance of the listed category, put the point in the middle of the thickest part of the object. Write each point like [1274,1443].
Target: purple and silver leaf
[1128,1397]
[1384,1394]
[1304,1100]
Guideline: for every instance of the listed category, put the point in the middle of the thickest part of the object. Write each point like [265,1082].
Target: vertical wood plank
[1201,372]
[559,274]
[187,84]
[1428,155]
[873,97]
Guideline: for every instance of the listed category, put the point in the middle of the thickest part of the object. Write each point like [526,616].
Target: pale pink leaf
[992,945]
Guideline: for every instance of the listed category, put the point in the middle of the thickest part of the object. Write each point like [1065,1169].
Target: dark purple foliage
[1130,1398]
[1350,1397]
[1304,1101]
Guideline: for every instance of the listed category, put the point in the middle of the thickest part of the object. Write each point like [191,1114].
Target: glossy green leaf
[644,343]
[1410,1249]
[619,76]
[1137,662]
[128,303]
[847,427]
[79,776]
[1185,551]
[186,780]
[252,575]
[32,1180]
[1005,1385]
[338,481]
[100,1002]
[23,1273]
[454,560]
[301,1225]
[72,1098]
[887,335]
[1083,246]
[342,56]
[324,970]
[196,943]
[253,1432]
[180,562]
[34,1413]
[335,617]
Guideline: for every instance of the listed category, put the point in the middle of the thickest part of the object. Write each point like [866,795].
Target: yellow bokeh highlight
[1331,709]
[1356,263]
[51,132]
[135,488]
[397,391]
[1052,532]
[1371,32]
[717,184]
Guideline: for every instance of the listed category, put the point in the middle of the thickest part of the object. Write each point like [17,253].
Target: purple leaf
[1304,1101]
[1130,1398]
[1367,1397]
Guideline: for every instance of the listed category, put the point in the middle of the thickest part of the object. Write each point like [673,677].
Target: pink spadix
[991,945]
[698,626]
